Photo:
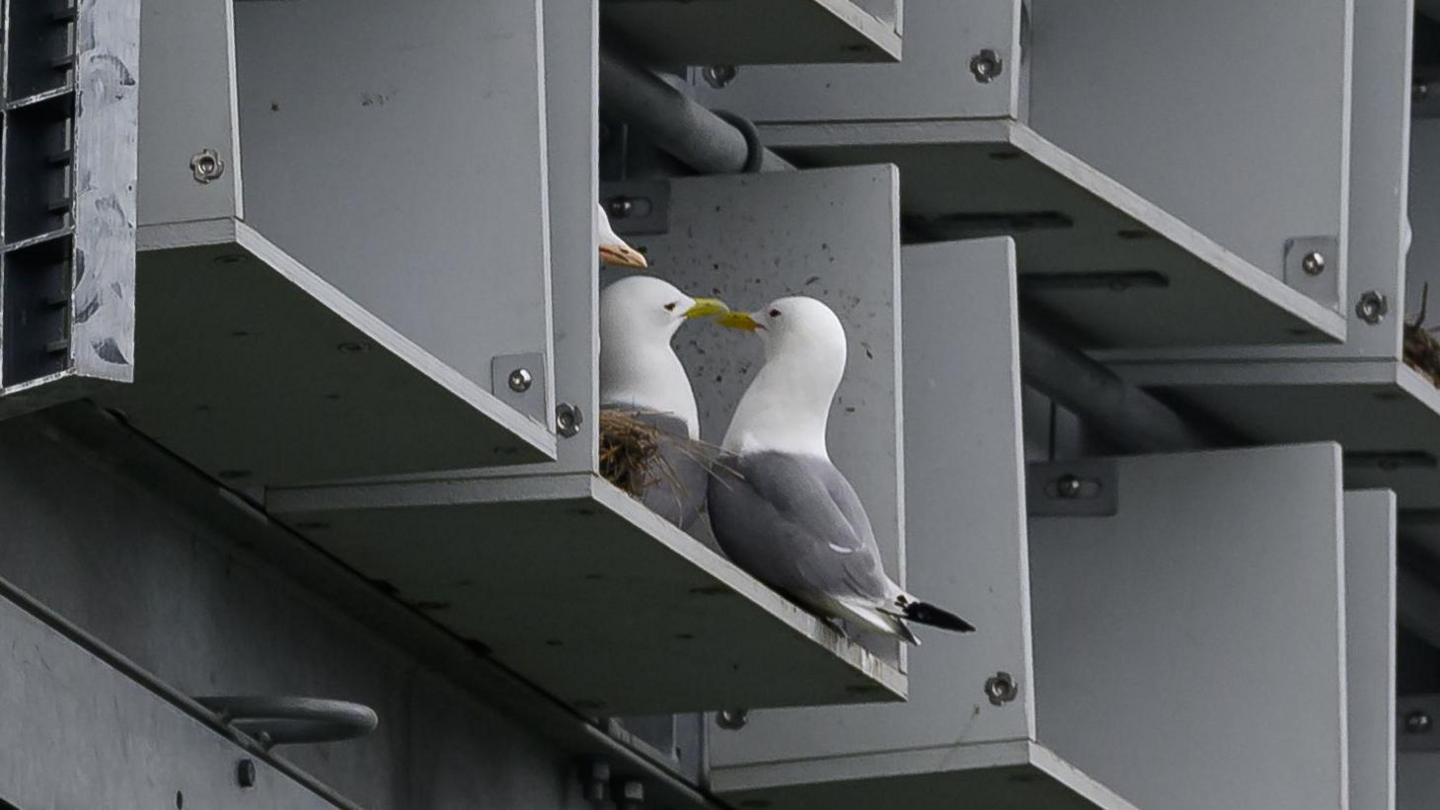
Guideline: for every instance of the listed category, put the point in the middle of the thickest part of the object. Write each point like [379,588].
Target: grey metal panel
[1211,603]
[1075,229]
[543,571]
[77,733]
[1384,413]
[1198,108]
[1370,647]
[752,32]
[965,521]
[260,373]
[1013,775]
[571,125]
[1380,147]
[932,81]
[188,105]
[398,150]
[1418,780]
[830,234]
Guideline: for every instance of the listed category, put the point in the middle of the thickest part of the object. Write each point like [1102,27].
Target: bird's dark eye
[670,307]
[774,313]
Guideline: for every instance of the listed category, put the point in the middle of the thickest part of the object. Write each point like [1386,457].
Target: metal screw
[986,65]
[619,207]
[1419,91]
[207,166]
[732,719]
[597,781]
[568,419]
[1418,722]
[245,773]
[1372,307]
[1068,486]
[718,76]
[1314,263]
[520,380]
[631,794]
[1001,688]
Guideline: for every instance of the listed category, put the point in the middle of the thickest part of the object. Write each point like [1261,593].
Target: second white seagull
[779,508]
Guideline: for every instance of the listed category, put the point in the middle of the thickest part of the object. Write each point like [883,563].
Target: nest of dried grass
[1422,348]
[632,452]
[629,451]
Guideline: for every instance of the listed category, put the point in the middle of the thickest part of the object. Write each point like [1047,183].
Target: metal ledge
[750,32]
[1384,414]
[1119,270]
[541,571]
[1019,775]
[258,372]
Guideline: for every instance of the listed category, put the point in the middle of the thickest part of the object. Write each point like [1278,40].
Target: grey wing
[797,525]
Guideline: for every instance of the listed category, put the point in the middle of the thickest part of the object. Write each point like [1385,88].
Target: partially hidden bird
[641,376]
[614,251]
[779,507]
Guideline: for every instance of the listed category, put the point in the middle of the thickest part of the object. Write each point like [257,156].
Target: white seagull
[613,250]
[779,507]
[641,375]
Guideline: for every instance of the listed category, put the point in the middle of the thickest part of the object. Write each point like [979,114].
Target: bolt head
[1372,307]
[1418,722]
[1314,263]
[1001,688]
[245,773]
[719,76]
[732,719]
[206,166]
[520,380]
[1419,91]
[568,419]
[1068,486]
[619,207]
[986,65]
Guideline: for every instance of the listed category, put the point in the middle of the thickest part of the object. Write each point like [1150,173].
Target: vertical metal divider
[4,179]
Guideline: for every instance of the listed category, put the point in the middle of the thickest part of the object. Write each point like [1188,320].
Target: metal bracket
[1312,268]
[518,380]
[1085,488]
[637,207]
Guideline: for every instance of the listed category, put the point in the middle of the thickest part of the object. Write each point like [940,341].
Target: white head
[638,317]
[613,250]
[787,406]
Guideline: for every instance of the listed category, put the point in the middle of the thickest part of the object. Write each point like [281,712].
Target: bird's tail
[926,613]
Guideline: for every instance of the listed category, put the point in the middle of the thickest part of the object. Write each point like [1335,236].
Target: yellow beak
[622,255]
[739,320]
[705,307]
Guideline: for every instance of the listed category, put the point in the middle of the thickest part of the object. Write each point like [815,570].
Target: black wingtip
[926,613]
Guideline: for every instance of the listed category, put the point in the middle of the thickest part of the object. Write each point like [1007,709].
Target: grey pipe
[1130,418]
[673,121]
[1133,420]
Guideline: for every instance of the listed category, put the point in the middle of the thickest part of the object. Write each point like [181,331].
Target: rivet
[986,65]
[718,76]
[1001,688]
[207,166]
[520,380]
[1314,263]
[732,719]
[568,419]
[1372,307]
[1419,91]
[619,207]
[1418,722]
[1068,486]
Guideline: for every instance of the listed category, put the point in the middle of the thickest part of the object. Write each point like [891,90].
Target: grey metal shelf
[754,32]
[260,373]
[1017,775]
[1122,271]
[546,570]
